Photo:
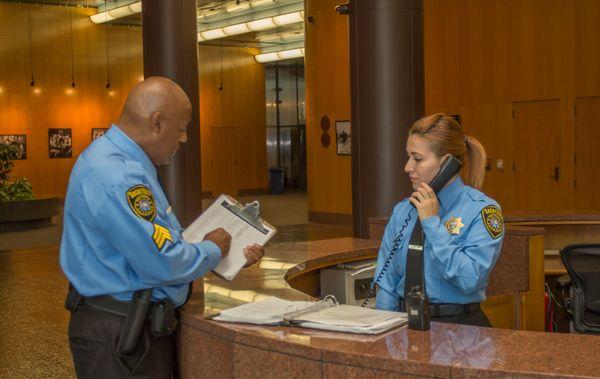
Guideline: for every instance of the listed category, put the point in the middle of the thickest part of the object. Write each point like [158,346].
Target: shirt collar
[129,147]
[449,194]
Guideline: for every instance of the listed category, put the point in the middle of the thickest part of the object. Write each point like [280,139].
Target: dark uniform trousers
[93,338]
[477,318]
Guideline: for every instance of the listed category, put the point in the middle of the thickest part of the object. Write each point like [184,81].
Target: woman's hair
[446,137]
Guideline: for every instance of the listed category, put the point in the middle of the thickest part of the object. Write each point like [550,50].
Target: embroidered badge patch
[454,224]
[493,220]
[141,201]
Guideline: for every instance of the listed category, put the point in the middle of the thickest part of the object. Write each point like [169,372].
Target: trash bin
[276,180]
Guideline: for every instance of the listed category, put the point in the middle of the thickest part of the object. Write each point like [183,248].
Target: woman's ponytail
[475,162]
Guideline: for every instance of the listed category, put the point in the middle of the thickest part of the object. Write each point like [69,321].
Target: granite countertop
[444,350]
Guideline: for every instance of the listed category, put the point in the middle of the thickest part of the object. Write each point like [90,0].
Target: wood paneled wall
[53,104]
[513,71]
[239,106]
[327,94]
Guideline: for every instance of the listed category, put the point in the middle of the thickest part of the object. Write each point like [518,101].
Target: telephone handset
[450,167]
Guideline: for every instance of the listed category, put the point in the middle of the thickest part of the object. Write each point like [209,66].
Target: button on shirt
[119,232]
[462,244]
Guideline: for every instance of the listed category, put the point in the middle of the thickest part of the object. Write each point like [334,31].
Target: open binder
[242,222]
[326,314]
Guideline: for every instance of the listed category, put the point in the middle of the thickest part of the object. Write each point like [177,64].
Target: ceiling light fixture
[279,55]
[236,29]
[212,34]
[252,26]
[260,3]
[124,11]
[32,82]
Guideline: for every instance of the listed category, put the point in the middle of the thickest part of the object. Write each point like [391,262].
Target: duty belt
[447,310]
[101,303]
[161,315]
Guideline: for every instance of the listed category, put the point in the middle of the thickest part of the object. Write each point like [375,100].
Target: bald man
[122,249]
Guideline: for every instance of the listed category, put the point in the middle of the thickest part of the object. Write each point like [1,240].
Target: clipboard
[243,223]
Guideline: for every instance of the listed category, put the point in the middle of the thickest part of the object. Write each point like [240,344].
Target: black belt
[447,310]
[161,315]
[107,304]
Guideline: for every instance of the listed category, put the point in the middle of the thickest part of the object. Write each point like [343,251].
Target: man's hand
[253,253]
[221,238]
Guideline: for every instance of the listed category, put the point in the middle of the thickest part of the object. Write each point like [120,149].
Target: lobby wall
[523,77]
[53,103]
[327,91]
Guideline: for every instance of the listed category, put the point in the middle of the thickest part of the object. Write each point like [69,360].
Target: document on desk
[325,315]
[245,229]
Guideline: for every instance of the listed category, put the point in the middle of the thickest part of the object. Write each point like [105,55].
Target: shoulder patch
[493,220]
[141,201]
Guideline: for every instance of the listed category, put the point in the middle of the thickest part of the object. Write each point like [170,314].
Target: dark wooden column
[171,50]
[387,84]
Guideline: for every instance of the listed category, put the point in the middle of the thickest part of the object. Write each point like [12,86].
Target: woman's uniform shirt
[462,244]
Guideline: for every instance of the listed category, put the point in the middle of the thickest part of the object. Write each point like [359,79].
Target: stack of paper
[317,315]
[265,312]
[352,319]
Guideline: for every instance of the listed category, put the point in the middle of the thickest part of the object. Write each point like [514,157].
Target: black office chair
[583,265]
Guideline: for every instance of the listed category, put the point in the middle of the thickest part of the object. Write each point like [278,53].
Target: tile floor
[33,322]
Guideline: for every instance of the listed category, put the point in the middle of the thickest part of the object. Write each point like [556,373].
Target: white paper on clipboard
[245,230]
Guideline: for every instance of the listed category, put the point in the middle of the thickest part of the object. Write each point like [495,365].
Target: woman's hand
[425,201]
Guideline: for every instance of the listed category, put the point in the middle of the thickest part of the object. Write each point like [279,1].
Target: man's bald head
[154,94]
[155,116]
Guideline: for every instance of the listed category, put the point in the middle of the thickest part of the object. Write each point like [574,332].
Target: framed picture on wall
[19,141]
[343,137]
[60,143]
[98,132]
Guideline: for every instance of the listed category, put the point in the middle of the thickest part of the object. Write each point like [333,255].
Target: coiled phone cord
[396,244]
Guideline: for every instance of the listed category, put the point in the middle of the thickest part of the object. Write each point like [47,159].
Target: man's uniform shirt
[462,244]
[120,234]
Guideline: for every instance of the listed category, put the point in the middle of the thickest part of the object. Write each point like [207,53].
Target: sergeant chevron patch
[160,236]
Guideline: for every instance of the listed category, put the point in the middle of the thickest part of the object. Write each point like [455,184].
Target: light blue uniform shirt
[462,244]
[119,233]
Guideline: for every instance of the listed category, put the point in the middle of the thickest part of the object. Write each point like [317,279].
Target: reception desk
[212,349]
[560,230]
